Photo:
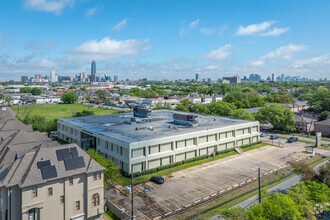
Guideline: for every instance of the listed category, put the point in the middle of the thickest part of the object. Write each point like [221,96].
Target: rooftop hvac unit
[141,112]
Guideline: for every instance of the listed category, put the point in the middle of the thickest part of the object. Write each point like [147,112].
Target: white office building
[143,139]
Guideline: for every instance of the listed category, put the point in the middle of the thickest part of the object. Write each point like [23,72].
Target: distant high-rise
[52,76]
[197,77]
[115,78]
[93,71]
[273,77]
[24,78]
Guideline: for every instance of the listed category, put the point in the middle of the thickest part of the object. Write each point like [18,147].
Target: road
[302,138]
[281,187]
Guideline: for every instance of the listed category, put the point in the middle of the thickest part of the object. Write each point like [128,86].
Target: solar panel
[43,164]
[74,163]
[48,172]
[63,154]
[3,173]
[79,162]
[74,152]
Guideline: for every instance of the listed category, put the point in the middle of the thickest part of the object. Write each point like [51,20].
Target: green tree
[101,95]
[324,116]
[36,91]
[87,97]
[323,175]
[181,107]
[25,90]
[320,99]
[168,106]
[112,172]
[277,206]
[8,99]
[276,115]
[69,97]
[243,114]
[83,113]
[2,96]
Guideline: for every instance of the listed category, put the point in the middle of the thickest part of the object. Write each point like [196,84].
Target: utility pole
[293,112]
[132,213]
[259,177]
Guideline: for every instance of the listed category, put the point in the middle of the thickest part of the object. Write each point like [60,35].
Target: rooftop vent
[141,112]
[185,119]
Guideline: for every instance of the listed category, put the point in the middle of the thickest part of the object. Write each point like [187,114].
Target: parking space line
[154,184]
[183,199]
[215,186]
[193,195]
[173,203]
[201,192]
[154,210]
[143,214]
[165,207]
[138,189]
[146,186]
[208,189]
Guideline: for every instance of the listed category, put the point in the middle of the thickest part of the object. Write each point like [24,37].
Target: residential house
[323,127]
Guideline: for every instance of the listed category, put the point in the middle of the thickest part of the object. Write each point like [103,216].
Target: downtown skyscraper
[93,71]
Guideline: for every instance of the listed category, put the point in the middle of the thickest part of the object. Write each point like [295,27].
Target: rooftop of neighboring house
[22,150]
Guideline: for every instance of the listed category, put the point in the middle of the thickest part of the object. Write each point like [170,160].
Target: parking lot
[185,188]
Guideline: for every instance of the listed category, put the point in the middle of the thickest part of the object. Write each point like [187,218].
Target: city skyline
[164,40]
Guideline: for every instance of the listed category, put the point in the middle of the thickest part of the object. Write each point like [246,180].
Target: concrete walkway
[281,187]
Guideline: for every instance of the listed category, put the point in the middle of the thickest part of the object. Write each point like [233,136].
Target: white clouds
[281,53]
[194,24]
[219,53]
[54,6]
[207,31]
[182,32]
[120,25]
[254,28]
[275,32]
[46,63]
[107,49]
[91,11]
[261,29]
[320,60]
[34,45]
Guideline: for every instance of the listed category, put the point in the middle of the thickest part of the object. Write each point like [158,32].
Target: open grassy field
[55,111]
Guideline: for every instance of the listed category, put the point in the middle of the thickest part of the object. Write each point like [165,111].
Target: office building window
[98,176]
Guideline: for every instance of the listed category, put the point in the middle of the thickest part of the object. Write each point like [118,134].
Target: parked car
[292,139]
[274,136]
[54,135]
[263,134]
[157,179]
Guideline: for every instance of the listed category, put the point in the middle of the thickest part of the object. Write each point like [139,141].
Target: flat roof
[159,124]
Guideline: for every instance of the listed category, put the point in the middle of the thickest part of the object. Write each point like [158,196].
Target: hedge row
[167,166]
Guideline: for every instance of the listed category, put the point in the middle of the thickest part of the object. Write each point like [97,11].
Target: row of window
[68,129]
[112,147]
[95,197]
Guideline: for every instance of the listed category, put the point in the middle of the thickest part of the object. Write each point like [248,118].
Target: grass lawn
[127,181]
[55,111]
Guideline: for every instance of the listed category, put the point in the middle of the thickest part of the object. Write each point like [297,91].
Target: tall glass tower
[93,71]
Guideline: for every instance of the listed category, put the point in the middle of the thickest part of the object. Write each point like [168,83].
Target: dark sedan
[157,179]
[292,139]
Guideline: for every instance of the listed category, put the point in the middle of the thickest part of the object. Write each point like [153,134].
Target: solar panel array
[47,170]
[74,163]
[3,173]
[71,158]
[43,164]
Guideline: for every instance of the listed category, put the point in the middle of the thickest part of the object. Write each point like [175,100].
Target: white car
[263,134]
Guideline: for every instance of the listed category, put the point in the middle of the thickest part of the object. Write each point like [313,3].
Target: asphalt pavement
[301,138]
[281,187]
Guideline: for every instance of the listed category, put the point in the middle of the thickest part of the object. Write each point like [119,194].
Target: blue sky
[165,39]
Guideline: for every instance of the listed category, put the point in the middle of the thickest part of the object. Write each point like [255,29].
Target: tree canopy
[69,97]
[242,114]
[276,115]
